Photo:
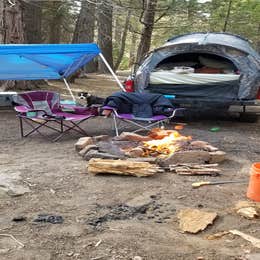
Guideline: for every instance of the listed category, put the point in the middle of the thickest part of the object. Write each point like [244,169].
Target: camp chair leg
[115,124]
[61,126]
[35,129]
[35,126]
[21,126]
[75,127]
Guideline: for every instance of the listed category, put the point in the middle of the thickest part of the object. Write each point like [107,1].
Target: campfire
[164,142]
[162,148]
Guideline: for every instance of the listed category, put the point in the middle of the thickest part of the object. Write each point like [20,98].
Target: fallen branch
[12,237]
[254,241]
[194,169]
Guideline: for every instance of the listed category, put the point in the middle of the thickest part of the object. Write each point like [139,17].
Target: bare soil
[98,221]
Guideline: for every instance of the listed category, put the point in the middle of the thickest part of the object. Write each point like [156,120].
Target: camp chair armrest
[21,109]
[176,110]
[79,109]
[110,108]
[25,109]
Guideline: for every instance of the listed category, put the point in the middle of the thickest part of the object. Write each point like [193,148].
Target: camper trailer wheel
[248,117]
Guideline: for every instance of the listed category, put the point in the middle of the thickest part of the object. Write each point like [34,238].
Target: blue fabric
[44,61]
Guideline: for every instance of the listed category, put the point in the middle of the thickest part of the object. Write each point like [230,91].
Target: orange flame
[165,142]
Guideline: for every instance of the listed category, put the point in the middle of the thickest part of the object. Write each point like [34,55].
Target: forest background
[125,30]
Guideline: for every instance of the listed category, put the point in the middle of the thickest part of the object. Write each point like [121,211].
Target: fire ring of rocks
[139,155]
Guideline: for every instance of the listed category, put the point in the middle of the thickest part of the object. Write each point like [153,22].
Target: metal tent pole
[69,89]
[112,72]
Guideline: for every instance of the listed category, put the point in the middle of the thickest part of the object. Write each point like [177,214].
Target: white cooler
[6,98]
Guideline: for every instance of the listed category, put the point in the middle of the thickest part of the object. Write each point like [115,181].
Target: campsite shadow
[195,115]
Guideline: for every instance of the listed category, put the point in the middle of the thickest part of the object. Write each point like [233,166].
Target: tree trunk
[123,41]
[2,21]
[85,29]
[12,21]
[12,32]
[132,51]
[117,28]
[227,16]
[105,13]
[56,22]
[148,24]
[33,21]
[258,41]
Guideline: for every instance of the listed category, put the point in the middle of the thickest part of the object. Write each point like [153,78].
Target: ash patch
[118,212]
[151,211]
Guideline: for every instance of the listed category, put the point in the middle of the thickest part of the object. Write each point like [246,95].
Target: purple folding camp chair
[43,109]
[142,123]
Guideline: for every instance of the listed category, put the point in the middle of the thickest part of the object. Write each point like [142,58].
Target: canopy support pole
[69,89]
[111,71]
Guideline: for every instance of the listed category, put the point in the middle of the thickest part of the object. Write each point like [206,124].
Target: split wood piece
[217,235]
[194,220]
[122,167]
[254,241]
[194,169]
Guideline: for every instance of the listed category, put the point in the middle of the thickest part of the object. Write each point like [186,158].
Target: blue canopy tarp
[44,61]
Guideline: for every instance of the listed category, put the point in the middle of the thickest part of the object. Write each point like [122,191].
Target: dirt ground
[59,185]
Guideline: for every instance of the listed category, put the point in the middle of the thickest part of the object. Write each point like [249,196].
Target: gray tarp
[231,47]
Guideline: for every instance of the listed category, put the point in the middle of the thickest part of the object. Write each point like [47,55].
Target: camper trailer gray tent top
[203,68]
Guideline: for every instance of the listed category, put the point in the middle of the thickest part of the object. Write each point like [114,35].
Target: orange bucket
[253,190]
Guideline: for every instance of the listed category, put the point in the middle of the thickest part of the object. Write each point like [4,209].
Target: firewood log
[122,167]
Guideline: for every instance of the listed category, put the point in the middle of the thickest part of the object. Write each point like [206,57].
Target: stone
[83,142]
[10,184]
[194,220]
[17,190]
[217,157]
[88,148]
[193,156]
